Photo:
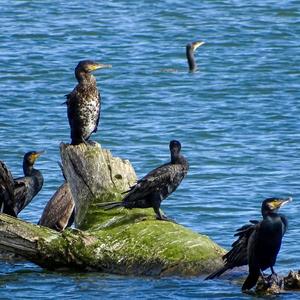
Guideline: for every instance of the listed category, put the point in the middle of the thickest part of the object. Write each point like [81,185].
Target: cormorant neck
[28,169]
[83,77]
[175,157]
[191,59]
[269,213]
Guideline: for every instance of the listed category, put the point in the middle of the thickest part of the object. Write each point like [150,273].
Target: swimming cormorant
[157,185]
[258,243]
[17,193]
[84,102]
[190,49]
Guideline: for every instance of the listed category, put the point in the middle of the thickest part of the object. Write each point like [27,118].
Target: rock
[269,285]
[117,241]
[292,281]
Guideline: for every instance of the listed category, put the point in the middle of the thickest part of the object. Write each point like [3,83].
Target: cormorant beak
[280,202]
[197,44]
[285,201]
[97,66]
[38,154]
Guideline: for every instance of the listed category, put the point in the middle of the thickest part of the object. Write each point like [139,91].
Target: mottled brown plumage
[59,211]
[157,185]
[84,102]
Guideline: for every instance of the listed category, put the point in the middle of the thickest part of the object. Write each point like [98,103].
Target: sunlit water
[237,118]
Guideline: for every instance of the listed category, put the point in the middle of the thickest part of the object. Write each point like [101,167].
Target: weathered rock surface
[116,241]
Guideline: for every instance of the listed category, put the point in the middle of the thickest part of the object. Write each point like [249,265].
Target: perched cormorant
[190,49]
[157,185]
[16,194]
[59,212]
[7,197]
[258,243]
[84,102]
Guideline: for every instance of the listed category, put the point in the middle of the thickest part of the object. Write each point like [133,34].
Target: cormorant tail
[251,280]
[110,205]
[9,211]
[217,273]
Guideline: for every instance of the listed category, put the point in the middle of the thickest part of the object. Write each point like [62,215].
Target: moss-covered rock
[117,241]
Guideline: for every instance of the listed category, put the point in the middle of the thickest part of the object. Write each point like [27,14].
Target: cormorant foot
[92,143]
[165,218]
[274,277]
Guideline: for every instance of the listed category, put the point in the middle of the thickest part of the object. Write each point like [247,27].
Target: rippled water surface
[237,118]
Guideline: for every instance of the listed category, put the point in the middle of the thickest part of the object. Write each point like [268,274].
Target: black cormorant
[7,197]
[84,102]
[258,243]
[17,193]
[157,185]
[190,49]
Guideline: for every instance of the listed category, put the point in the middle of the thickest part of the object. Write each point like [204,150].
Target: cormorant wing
[71,97]
[59,210]
[284,222]
[7,197]
[24,193]
[164,179]
[98,119]
[238,255]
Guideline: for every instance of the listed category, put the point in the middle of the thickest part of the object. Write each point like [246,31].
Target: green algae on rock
[119,241]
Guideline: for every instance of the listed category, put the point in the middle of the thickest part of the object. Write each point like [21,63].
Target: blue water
[237,118]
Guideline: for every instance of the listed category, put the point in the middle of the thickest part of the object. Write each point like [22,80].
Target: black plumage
[17,193]
[258,243]
[84,102]
[7,197]
[190,50]
[157,185]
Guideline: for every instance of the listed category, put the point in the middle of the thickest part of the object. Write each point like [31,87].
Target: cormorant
[258,243]
[84,102]
[157,185]
[59,212]
[16,194]
[7,197]
[190,49]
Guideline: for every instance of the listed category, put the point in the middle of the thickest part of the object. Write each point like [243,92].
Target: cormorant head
[190,48]
[31,157]
[194,45]
[88,66]
[175,148]
[273,204]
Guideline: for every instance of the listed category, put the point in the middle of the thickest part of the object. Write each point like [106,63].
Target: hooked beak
[284,201]
[198,44]
[38,154]
[97,66]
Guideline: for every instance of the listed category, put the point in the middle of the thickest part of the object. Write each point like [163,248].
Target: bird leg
[159,215]
[273,272]
[88,142]
[156,200]
[275,276]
